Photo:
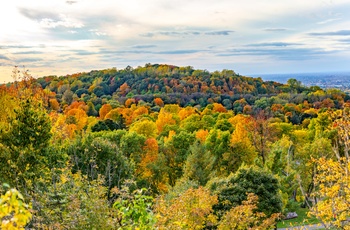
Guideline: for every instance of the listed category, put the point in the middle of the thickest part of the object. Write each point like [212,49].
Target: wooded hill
[166,147]
[186,86]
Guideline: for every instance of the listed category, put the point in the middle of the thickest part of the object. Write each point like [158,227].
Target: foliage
[106,125]
[169,129]
[232,190]
[96,156]
[245,216]
[24,146]
[190,210]
[14,212]
[333,183]
[134,210]
[72,201]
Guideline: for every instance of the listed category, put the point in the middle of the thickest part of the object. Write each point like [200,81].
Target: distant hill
[173,84]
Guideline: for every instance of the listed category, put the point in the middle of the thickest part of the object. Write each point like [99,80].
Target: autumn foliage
[215,150]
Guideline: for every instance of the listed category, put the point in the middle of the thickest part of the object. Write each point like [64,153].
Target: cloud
[143,46]
[344,40]
[277,44]
[142,51]
[281,53]
[83,52]
[76,34]
[37,14]
[169,33]
[29,52]
[223,32]
[64,21]
[334,33]
[28,60]
[22,46]
[49,19]
[328,21]
[96,32]
[187,33]
[2,57]
[275,29]
[178,52]
[71,2]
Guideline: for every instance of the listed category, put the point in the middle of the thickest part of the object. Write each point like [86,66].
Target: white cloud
[63,21]
[179,32]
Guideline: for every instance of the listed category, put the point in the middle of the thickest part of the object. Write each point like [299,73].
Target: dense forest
[167,147]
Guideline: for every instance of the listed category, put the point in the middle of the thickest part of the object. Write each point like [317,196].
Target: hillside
[178,85]
[162,146]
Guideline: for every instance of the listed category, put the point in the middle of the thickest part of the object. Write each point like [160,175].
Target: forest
[167,147]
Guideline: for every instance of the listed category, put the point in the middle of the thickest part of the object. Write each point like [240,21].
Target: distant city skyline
[60,37]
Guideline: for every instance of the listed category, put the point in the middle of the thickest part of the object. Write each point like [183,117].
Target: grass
[301,220]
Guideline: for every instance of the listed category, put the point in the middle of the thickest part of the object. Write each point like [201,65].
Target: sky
[60,37]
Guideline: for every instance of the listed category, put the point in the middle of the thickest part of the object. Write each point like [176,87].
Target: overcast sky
[57,37]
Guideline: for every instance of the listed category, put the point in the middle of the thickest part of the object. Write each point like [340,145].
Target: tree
[242,149]
[124,89]
[199,164]
[134,210]
[232,191]
[68,97]
[132,145]
[24,146]
[158,101]
[77,117]
[96,155]
[245,216]
[262,135]
[104,110]
[176,151]
[164,118]
[218,143]
[190,210]
[332,178]
[72,201]
[294,85]
[333,194]
[14,212]
[144,127]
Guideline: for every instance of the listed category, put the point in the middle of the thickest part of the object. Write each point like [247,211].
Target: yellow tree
[202,135]
[333,195]
[164,118]
[219,108]
[145,127]
[333,178]
[191,210]
[242,148]
[186,112]
[78,117]
[139,111]
[14,212]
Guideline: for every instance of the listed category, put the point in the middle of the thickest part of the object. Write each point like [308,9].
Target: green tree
[134,209]
[72,201]
[176,151]
[25,145]
[199,164]
[245,216]
[95,156]
[232,191]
